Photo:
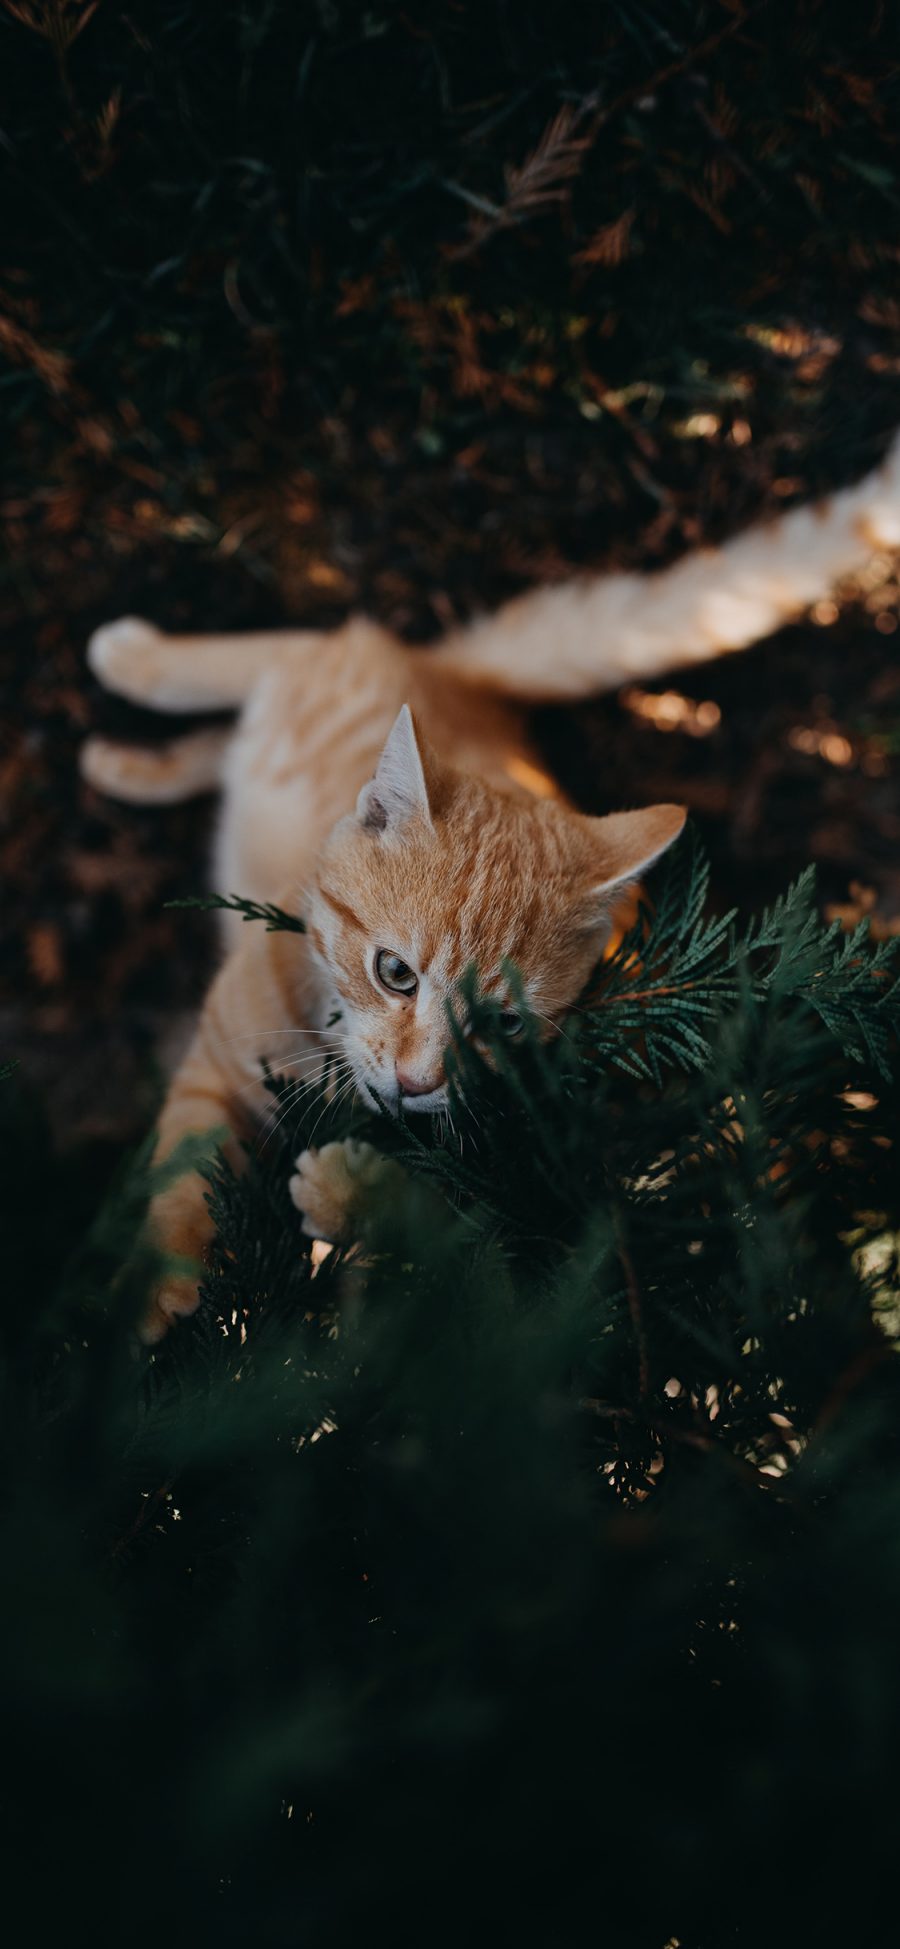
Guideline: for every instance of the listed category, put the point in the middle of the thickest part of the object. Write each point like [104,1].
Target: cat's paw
[173,1300]
[334,1186]
[158,774]
[122,771]
[124,656]
[880,523]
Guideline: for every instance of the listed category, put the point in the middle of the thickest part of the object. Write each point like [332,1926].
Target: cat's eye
[509,1022]
[395,975]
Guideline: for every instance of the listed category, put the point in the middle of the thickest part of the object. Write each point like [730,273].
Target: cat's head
[436,870]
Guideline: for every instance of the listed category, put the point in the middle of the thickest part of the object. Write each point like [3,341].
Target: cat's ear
[399,790]
[625,844]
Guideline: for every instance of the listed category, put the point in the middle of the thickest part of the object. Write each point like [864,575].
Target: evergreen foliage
[531,1570]
[276,920]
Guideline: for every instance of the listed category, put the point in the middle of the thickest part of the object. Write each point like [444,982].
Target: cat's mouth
[433,1101]
[379,1097]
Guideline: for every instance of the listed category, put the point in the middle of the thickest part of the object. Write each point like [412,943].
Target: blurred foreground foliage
[533,1570]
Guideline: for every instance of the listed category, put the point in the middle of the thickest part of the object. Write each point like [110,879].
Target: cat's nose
[414,1086]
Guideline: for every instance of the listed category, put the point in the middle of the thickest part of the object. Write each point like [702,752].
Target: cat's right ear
[399,790]
[627,843]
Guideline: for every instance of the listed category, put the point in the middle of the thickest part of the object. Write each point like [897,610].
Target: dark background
[315,307]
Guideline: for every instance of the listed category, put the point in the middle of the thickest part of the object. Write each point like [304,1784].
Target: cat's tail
[590,635]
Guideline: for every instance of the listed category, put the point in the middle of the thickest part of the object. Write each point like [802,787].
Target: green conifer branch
[275,918]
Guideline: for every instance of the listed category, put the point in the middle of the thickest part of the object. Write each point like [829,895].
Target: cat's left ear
[625,844]
[399,790]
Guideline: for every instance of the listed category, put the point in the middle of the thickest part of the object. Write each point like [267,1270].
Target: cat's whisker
[452,1130]
[285,1105]
[348,1087]
[315,1058]
[292,1097]
[539,1016]
[344,1091]
[282,1109]
[294,1062]
[248,1035]
[330,1104]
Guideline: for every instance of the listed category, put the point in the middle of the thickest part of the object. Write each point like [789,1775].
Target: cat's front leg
[218,1096]
[180,1227]
[202,1108]
[179,1221]
[340,1188]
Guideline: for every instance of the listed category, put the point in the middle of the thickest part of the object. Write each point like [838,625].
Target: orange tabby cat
[393,798]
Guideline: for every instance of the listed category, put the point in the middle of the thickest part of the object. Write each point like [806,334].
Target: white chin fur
[412,1105]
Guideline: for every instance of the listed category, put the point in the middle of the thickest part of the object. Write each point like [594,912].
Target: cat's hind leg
[187,673]
[156,774]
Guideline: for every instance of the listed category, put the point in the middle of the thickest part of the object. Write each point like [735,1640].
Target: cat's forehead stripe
[339,907]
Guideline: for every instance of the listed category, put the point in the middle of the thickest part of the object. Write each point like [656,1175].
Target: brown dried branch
[22,348]
[543,180]
[57,21]
[610,244]
[545,175]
